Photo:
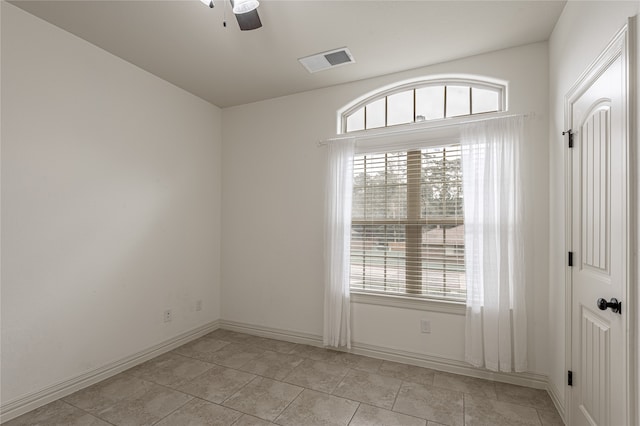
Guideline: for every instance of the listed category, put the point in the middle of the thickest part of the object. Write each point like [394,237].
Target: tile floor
[229,378]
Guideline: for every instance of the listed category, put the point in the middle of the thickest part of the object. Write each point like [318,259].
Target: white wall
[272,204]
[111,183]
[582,32]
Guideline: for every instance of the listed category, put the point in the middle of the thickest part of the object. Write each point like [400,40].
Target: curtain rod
[324,142]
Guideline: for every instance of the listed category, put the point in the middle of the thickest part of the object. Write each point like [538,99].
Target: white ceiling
[185,43]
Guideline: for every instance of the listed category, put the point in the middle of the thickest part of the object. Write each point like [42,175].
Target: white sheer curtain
[496,327]
[339,187]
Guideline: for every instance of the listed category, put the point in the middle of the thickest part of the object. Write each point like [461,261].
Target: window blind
[407,233]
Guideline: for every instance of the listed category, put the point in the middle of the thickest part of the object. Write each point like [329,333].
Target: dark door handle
[616,307]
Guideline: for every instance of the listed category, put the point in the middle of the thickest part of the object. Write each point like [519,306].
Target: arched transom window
[424,101]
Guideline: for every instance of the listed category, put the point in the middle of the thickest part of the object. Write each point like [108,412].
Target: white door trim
[623,42]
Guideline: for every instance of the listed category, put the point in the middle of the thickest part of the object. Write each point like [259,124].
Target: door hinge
[570,378]
[570,259]
[570,133]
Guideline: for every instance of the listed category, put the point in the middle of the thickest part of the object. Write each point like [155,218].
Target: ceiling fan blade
[249,21]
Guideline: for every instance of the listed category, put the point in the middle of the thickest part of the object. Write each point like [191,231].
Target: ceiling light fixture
[245,11]
[244,6]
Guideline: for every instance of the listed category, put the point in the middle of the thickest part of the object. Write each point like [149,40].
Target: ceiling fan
[246,12]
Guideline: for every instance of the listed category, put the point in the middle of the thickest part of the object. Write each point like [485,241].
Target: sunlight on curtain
[496,328]
[339,187]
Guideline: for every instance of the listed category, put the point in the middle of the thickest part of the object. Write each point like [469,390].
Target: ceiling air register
[326,60]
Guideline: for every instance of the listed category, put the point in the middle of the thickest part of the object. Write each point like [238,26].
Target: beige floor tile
[536,398]
[357,362]
[234,355]
[344,359]
[490,412]
[273,365]
[104,394]
[217,384]
[198,413]
[146,409]
[369,388]
[170,369]
[408,373]
[264,398]
[57,413]
[315,353]
[368,415]
[203,345]
[277,345]
[247,420]
[228,336]
[431,403]
[317,375]
[314,408]
[251,340]
[465,384]
[550,418]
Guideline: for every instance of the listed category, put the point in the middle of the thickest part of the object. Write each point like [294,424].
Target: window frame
[404,302]
[488,84]
[414,219]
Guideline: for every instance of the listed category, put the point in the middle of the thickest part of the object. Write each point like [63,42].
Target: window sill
[430,305]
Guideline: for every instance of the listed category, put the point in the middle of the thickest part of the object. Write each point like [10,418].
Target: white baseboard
[273,333]
[555,394]
[532,380]
[24,404]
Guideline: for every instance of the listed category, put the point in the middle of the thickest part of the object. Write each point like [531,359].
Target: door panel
[594,368]
[597,113]
[595,189]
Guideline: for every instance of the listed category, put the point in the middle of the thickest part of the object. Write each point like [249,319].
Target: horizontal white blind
[407,233]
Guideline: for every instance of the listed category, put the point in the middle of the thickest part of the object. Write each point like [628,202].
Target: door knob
[615,306]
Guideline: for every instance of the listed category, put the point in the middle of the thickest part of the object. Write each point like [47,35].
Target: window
[427,100]
[407,232]
[407,225]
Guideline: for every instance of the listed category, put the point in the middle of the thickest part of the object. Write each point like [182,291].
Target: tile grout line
[354,413]
[288,405]
[85,411]
[396,398]
[539,416]
[235,393]
[161,419]
[464,408]
[208,402]
[341,380]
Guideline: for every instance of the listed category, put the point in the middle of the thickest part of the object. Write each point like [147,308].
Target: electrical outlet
[198,305]
[167,315]
[425,326]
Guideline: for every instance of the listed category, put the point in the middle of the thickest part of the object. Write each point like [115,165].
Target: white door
[599,186]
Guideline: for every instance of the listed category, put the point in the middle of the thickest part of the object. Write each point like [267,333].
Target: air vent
[326,60]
